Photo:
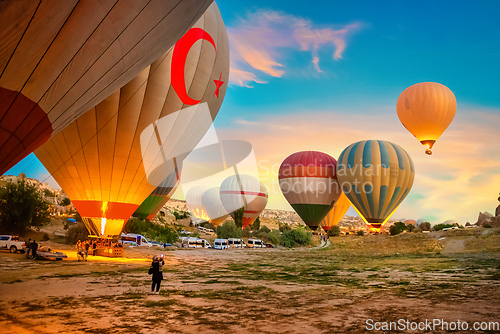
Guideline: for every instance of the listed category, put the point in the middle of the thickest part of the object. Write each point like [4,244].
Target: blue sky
[387,46]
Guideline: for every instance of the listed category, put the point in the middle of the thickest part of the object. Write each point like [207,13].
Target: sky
[328,74]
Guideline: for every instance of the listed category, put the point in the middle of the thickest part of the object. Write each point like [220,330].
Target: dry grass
[411,276]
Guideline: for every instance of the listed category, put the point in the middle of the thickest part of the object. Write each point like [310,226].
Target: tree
[334,231]
[22,206]
[401,226]
[48,193]
[256,224]
[297,237]
[77,232]
[395,229]
[360,233]
[439,227]
[238,217]
[425,226]
[410,227]
[229,230]
[285,227]
[65,202]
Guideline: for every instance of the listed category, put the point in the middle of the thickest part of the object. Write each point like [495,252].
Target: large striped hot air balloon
[159,197]
[213,206]
[194,201]
[336,214]
[59,58]
[98,159]
[376,176]
[309,183]
[244,197]
[426,109]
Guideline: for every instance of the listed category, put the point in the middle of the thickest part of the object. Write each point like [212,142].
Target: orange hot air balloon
[336,214]
[60,58]
[426,109]
[98,159]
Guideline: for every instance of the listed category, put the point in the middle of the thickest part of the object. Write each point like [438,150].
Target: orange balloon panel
[97,159]
[336,214]
[59,58]
[426,109]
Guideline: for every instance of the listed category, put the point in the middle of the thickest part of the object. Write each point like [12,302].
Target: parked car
[47,253]
[269,245]
[156,243]
[255,243]
[220,244]
[13,243]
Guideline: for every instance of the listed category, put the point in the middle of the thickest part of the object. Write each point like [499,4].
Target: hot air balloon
[213,206]
[376,176]
[426,109]
[244,197]
[154,202]
[60,58]
[194,201]
[309,183]
[336,214]
[98,159]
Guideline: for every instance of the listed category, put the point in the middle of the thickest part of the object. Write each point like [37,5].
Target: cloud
[259,41]
[458,181]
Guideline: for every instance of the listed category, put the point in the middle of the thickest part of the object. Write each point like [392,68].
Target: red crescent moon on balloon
[179,56]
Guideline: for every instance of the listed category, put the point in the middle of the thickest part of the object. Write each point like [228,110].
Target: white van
[201,229]
[130,238]
[220,244]
[255,243]
[235,243]
[190,242]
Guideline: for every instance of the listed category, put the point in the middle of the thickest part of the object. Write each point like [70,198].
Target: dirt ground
[448,276]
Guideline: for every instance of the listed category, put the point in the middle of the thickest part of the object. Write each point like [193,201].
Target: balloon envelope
[243,195]
[194,201]
[60,58]
[426,109]
[159,197]
[99,160]
[213,206]
[376,176]
[336,214]
[309,183]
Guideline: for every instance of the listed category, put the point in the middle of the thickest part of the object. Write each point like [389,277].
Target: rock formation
[497,211]
[483,216]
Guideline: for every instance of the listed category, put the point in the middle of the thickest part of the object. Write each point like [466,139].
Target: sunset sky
[322,75]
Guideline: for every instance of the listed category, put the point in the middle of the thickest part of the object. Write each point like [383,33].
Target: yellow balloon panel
[97,159]
[336,214]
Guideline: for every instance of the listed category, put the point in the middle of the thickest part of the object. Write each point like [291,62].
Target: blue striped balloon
[376,176]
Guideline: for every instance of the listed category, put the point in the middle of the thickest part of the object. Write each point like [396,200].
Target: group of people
[82,249]
[324,238]
[31,248]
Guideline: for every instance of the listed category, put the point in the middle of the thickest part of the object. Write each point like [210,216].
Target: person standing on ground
[34,248]
[87,247]
[94,248]
[28,248]
[157,272]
